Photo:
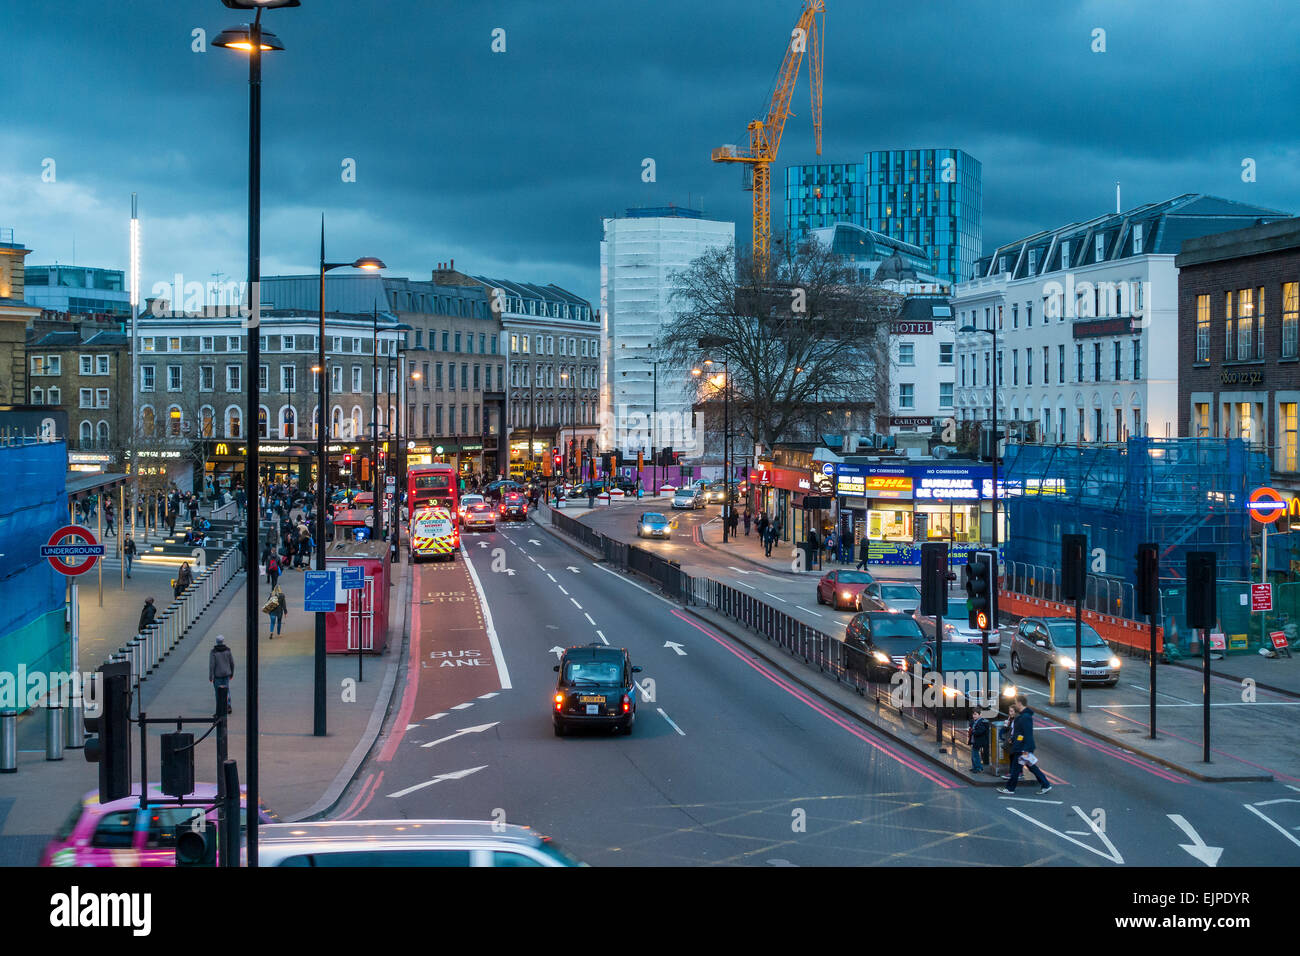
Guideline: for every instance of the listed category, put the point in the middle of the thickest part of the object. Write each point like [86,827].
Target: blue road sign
[354,578]
[319,589]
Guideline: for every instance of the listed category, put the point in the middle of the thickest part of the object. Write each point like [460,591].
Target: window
[500,377]
[906,353]
[562,352]
[1015,316]
[1096,361]
[1060,365]
[53,396]
[356,346]
[584,348]
[1101,254]
[1119,372]
[101,433]
[146,343]
[207,377]
[1288,422]
[146,378]
[464,376]
[101,397]
[451,374]
[1078,358]
[1290,319]
[1137,359]
[464,420]
[232,343]
[233,378]
[175,420]
[1015,366]
[1000,373]
[263,378]
[288,378]
[174,343]
[514,342]
[205,421]
[173,378]
[419,339]
[437,419]
[1029,314]
[437,375]
[38,396]
[945,394]
[906,395]
[1029,366]
[1202,424]
[493,340]
[1137,239]
[356,378]
[87,363]
[963,371]
[1203,329]
[1259,322]
[1227,326]
[1033,261]
[115,830]
[945,353]
[445,339]
[457,342]
[550,345]
[87,398]
[1047,365]
[207,343]
[476,378]
[336,378]
[1245,323]
[987,376]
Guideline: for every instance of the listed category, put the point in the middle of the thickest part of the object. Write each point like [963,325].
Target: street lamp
[322,477]
[725,388]
[253,40]
[996,373]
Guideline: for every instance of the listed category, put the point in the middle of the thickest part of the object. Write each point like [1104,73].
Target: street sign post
[1265,506]
[354,578]
[1261,597]
[56,553]
[319,592]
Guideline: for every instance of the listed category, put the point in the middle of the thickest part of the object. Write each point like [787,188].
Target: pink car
[119,833]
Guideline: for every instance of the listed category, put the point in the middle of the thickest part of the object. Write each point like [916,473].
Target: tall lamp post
[254,41]
[726,439]
[322,474]
[996,372]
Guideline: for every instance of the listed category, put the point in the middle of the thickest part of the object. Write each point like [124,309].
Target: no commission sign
[56,553]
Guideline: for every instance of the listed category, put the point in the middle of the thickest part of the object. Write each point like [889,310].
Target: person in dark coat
[129,551]
[1021,747]
[748,518]
[814,548]
[148,615]
[221,667]
[864,552]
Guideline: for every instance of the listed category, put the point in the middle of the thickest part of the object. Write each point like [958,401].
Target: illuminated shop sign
[960,489]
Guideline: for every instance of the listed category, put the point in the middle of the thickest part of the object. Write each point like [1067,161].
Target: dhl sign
[889,484]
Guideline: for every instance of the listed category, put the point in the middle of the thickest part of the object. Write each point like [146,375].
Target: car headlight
[882,658]
[1065,661]
[846,594]
[1114,662]
[1009,691]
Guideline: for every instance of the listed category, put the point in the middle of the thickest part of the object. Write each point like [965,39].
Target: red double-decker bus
[428,484]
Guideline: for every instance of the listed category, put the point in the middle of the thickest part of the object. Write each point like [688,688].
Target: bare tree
[804,339]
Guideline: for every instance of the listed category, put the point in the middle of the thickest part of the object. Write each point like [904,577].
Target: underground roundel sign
[89,550]
[1266,505]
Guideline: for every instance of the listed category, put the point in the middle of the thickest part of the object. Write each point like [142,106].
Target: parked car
[964,690]
[844,589]
[1038,641]
[956,626]
[690,498]
[877,642]
[119,833]
[440,843]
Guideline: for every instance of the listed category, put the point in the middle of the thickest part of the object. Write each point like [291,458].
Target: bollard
[73,729]
[150,651]
[53,730]
[133,653]
[8,741]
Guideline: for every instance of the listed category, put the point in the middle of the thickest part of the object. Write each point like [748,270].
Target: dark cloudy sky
[508,161]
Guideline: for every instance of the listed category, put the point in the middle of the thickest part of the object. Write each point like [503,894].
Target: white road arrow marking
[454,775]
[1114,855]
[436,716]
[1209,855]
[1271,822]
[573,569]
[533,541]
[676,647]
[482,544]
[468,730]
[557,651]
[510,572]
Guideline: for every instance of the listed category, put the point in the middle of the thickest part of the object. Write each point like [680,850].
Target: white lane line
[1160,693]
[808,609]
[488,696]
[601,635]
[436,716]
[1219,703]
[411,726]
[454,775]
[1276,826]
[561,587]
[549,575]
[736,569]
[1114,855]
[589,618]
[578,606]
[1031,800]
[744,585]
[539,566]
[503,673]
[532,559]
[463,706]
[619,577]
[771,595]
[670,721]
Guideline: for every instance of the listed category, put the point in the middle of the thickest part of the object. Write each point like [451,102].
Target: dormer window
[1137,239]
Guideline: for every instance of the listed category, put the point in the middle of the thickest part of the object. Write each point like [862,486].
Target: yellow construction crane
[765,134]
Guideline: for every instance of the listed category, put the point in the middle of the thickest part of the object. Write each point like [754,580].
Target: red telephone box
[361,622]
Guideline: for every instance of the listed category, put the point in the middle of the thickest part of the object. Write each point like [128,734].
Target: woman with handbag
[276,606]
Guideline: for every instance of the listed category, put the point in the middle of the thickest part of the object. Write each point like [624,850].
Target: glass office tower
[932,198]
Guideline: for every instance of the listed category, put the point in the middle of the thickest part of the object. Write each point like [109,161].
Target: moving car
[1038,641]
[688,498]
[595,689]
[514,506]
[877,642]
[480,516]
[964,690]
[652,524]
[717,493]
[493,490]
[465,502]
[442,843]
[843,589]
[119,833]
[434,533]
[956,626]
[900,597]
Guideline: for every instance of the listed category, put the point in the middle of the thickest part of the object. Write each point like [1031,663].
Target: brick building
[1239,342]
[15,314]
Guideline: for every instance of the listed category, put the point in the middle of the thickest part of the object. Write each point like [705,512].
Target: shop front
[292,463]
[779,493]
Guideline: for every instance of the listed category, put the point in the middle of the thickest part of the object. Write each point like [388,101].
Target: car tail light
[627,704]
[559,701]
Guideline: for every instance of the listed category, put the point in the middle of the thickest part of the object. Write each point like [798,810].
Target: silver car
[1039,641]
[899,597]
[956,626]
[453,843]
[691,498]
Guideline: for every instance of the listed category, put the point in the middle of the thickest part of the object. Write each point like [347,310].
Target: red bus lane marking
[833,718]
[453,661]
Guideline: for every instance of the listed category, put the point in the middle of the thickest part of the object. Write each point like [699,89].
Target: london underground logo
[55,553]
[1266,505]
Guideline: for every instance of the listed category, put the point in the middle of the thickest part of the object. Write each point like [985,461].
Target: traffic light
[109,740]
[640,461]
[365,469]
[1148,580]
[1202,589]
[934,578]
[196,843]
[1074,567]
[347,460]
[981,570]
[177,764]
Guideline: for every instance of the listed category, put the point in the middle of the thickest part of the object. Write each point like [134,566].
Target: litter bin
[53,730]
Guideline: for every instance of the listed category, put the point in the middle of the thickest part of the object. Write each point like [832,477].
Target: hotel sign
[1100,327]
[911,328]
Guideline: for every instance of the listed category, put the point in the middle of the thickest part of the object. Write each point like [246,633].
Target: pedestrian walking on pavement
[977,735]
[763,522]
[769,538]
[148,615]
[1022,748]
[864,552]
[747,519]
[276,606]
[272,568]
[814,549]
[128,553]
[108,519]
[221,667]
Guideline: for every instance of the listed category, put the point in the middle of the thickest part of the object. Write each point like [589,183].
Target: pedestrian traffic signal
[1074,567]
[1148,580]
[177,764]
[109,740]
[934,578]
[1202,589]
[196,842]
[981,572]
